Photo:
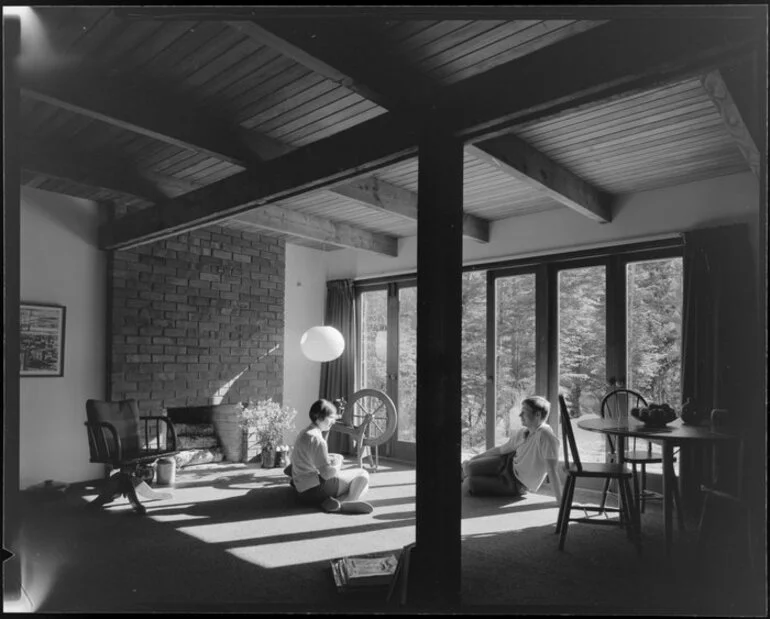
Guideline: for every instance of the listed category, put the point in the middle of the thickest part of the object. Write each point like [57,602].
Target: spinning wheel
[370,419]
[383,411]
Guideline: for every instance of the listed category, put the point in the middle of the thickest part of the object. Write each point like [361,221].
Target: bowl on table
[654,415]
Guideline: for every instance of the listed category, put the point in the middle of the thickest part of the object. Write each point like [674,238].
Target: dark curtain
[338,376]
[719,337]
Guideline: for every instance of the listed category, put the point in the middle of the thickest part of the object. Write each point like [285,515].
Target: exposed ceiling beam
[382,195]
[720,95]
[393,86]
[318,229]
[515,157]
[645,54]
[571,73]
[137,108]
[105,172]
[747,85]
[282,44]
[92,93]
[386,84]
[341,157]
[403,202]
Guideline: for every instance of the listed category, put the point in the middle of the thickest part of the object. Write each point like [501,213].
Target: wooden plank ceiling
[162,114]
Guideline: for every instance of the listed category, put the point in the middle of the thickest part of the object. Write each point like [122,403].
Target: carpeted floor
[232,540]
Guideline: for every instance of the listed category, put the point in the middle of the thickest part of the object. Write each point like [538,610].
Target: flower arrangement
[266,420]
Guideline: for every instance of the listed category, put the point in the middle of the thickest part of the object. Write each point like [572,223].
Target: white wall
[60,264]
[303,308]
[636,217]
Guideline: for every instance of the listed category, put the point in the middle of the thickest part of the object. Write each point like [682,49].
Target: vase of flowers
[265,423]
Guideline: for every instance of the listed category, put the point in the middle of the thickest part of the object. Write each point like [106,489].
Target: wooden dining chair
[615,405]
[628,513]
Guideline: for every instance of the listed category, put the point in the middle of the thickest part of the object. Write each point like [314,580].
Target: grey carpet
[232,540]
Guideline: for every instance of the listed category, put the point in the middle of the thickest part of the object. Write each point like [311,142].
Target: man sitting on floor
[521,464]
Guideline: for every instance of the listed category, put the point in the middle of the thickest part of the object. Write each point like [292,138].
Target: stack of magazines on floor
[372,573]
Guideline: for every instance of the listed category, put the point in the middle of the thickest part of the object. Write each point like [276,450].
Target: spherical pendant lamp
[322,343]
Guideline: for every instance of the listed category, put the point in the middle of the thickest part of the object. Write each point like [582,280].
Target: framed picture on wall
[42,339]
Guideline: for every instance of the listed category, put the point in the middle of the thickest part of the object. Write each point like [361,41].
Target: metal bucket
[166,473]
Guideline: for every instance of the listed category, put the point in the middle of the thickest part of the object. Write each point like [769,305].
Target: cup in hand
[336,459]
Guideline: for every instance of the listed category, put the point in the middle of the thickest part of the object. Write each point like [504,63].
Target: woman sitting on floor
[315,473]
[522,463]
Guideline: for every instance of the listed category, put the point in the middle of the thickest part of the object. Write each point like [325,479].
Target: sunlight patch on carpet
[534,511]
[160,517]
[312,526]
[282,554]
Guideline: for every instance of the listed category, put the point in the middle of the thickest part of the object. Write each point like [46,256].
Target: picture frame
[41,341]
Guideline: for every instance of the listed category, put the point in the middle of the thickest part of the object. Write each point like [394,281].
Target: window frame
[546,267]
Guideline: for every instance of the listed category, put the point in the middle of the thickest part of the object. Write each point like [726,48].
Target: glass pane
[473,409]
[654,319]
[374,332]
[407,364]
[582,351]
[514,351]
[654,333]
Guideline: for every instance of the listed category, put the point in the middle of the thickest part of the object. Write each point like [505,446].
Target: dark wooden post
[11,292]
[436,558]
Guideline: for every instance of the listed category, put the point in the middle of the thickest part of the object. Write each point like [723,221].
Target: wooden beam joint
[716,87]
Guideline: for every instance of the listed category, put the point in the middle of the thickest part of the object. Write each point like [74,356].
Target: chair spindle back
[618,404]
[568,437]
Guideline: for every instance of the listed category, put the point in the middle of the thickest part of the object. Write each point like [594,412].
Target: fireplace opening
[197,438]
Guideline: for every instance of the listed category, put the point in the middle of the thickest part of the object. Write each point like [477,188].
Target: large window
[577,324]
[374,330]
[654,328]
[473,387]
[654,333]
[582,312]
[515,360]
[388,354]
[407,364]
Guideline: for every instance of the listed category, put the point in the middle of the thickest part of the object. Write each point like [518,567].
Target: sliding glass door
[388,358]
[515,361]
[373,350]
[406,391]
[582,346]
[654,333]
[654,328]
[579,326]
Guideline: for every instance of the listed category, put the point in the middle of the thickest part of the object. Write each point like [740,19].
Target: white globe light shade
[322,343]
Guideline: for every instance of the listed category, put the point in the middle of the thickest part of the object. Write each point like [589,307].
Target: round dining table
[669,436]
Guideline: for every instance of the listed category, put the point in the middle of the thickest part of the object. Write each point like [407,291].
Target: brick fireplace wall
[188,314]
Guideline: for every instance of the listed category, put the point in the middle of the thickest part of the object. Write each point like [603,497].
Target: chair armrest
[170,435]
[100,452]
